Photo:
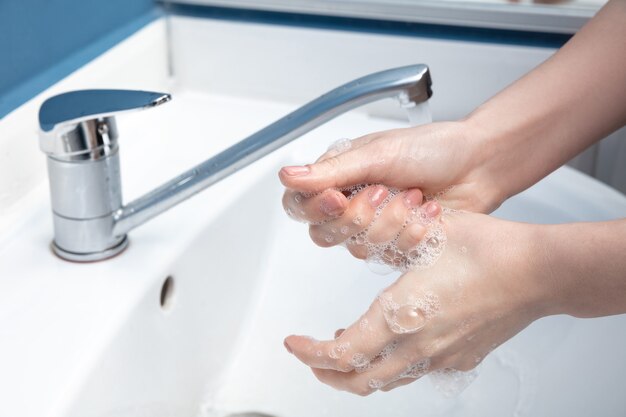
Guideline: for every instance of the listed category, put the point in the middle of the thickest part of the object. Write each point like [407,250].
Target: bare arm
[574,99]
[586,266]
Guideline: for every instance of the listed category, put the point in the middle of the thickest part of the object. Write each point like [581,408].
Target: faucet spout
[410,82]
[79,135]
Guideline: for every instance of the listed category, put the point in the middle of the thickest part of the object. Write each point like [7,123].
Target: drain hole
[167,293]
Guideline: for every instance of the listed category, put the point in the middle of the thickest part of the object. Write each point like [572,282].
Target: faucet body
[80,137]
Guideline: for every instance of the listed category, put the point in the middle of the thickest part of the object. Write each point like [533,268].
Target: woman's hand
[484,289]
[441,159]
[438,159]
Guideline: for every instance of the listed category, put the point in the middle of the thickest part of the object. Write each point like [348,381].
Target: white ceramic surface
[92,340]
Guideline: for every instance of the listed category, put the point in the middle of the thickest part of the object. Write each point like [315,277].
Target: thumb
[357,166]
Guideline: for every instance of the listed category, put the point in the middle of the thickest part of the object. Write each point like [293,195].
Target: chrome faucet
[79,134]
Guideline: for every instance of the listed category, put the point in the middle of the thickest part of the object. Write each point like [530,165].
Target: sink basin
[189,320]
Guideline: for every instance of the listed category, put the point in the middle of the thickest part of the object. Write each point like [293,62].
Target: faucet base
[90,256]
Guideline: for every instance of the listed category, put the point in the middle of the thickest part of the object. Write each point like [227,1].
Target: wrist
[548,295]
[484,150]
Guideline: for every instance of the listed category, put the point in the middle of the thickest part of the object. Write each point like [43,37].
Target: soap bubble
[411,316]
[451,382]
[364,324]
[340,146]
[339,350]
[375,384]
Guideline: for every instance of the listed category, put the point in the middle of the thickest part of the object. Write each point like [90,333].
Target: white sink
[108,340]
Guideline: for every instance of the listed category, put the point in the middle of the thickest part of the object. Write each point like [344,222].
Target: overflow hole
[167,293]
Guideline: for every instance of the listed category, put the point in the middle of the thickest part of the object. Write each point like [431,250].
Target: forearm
[574,99]
[583,267]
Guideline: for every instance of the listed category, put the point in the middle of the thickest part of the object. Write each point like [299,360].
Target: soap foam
[375,384]
[360,363]
[421,256]
[416,370]
[451,382]
[339,350]
[388,350]
[340,146]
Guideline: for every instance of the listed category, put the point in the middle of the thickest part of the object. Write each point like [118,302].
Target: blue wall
[42,41]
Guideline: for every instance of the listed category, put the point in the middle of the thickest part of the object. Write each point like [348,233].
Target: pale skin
[494,277]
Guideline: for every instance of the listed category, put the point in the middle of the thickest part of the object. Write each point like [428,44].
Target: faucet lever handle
[81,124]
[77,106]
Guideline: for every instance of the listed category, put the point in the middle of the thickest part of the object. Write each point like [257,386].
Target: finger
[394,216]
[357,250]
[398,383]
[354,348]
[321,207]
[391,369]
[358,215]
[417,228]
[411,236]
[432,209]
[343,145]
[369,163]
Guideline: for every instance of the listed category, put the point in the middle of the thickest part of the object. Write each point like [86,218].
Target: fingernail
[287,346]
[296,171]
[332,205]
[377,195]
[431,209]
[413,198]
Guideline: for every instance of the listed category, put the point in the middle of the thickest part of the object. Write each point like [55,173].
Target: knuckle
[358,251]
[398,216]
[325,156]
[466,365]
[362,390]
[444,363]
[332,162]
[343,364]
[286,199]
[362,214]
[438,362]
[319,377]
[317,236]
